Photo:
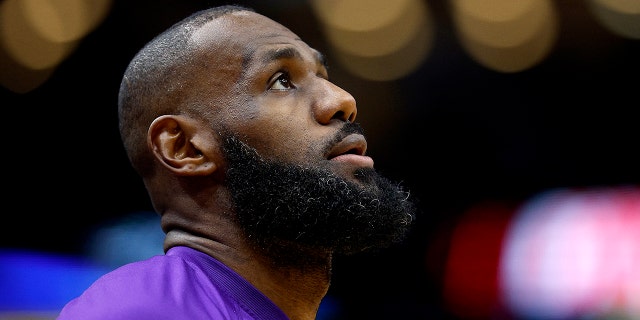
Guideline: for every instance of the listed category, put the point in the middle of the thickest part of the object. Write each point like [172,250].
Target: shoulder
[161,287]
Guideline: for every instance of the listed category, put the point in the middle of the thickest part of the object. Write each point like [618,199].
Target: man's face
[271,89]
[295,162]
[282,203]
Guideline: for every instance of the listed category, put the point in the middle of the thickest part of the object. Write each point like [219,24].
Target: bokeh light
[621,17]
[563,254]
[377,40]
[36,36]
[506,35]
[574,253]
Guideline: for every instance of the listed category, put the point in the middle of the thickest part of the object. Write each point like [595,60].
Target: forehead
[238,23]
[251,36]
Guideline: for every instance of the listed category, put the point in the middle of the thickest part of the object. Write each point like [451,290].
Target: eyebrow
[280,53]
[291,53]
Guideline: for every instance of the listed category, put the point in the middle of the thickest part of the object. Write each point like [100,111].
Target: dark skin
[251,79]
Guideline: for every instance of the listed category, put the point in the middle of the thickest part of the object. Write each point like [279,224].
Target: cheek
[285,139]
[280,129]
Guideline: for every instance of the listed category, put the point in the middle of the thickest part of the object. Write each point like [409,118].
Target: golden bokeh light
[622,17]
[505,35]
[377,40]
[36,36]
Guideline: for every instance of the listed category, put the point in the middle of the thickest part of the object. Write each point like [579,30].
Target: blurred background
[513,122]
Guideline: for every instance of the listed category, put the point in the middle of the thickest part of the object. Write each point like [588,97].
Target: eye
[281,82]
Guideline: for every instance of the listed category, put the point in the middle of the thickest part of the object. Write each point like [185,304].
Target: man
[253,160]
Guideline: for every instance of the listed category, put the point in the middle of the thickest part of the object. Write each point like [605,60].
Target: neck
[297,290]
[296,286]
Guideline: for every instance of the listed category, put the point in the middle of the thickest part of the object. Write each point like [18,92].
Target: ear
[182,145]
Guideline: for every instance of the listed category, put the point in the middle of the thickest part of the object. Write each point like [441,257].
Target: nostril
[340,115]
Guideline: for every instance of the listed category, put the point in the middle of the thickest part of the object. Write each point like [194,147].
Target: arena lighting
[35,285]
[470,284]
[36,36]
[388,67]
[506,35]
[28,58]
[621,17]
[376,39]
[574,254]
[564,254]
[373,30]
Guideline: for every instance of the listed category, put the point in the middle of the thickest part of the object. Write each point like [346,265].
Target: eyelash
[279,78]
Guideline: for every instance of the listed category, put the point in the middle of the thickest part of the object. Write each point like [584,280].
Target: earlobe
[180,146]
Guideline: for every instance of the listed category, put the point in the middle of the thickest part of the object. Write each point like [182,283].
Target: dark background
[455,133]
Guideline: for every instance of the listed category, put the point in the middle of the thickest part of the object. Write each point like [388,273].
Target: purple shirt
[182,284]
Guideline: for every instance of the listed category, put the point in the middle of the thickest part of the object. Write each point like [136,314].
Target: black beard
[286,209]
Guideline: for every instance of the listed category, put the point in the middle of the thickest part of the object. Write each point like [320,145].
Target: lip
[351,149]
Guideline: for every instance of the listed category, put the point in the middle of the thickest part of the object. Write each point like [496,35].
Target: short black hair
[151,82]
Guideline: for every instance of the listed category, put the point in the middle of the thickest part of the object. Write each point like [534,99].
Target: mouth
[351,149]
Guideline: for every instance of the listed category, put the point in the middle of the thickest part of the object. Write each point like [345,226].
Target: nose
[333,102]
